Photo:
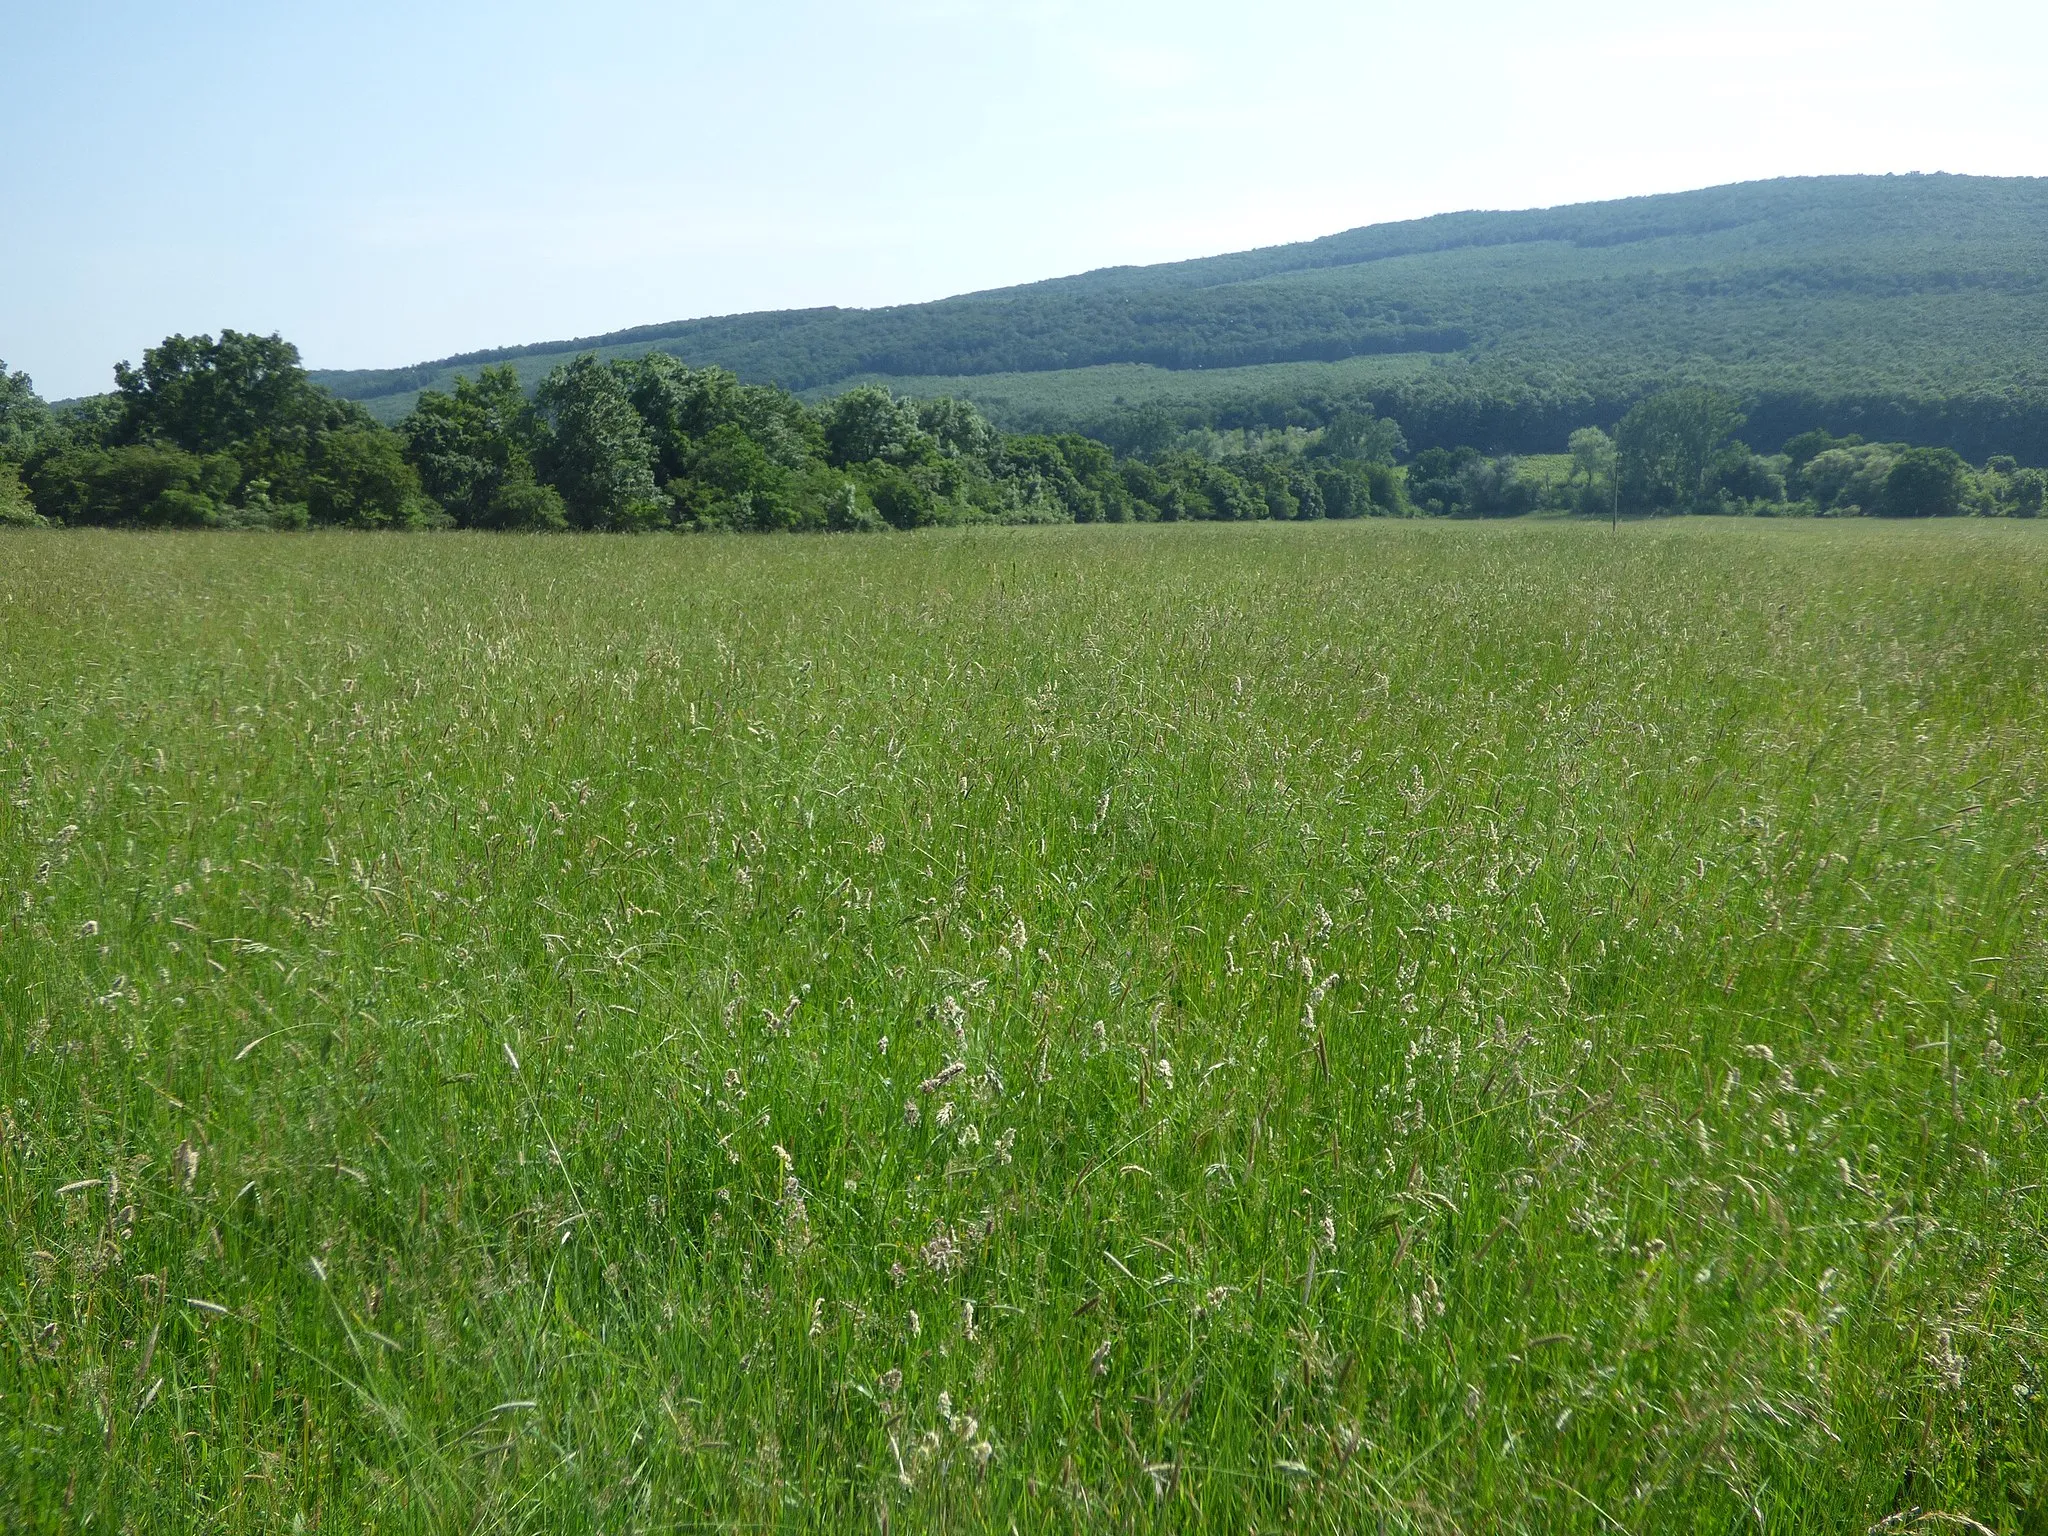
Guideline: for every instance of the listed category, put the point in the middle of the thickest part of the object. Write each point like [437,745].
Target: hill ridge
[1846,290]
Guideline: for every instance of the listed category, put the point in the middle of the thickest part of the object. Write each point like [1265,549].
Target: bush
[16,510]
[176,508]
[1436,480]
[902,500]
[1348,488]
[522,503]
[1925,482]
[141,485]
[361,479]
[1845,481]
[1495,488]
[1744,480]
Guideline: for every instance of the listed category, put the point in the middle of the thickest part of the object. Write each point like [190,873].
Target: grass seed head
[1098,1363]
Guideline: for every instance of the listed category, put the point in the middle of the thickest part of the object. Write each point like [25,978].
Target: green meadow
[1397,1027]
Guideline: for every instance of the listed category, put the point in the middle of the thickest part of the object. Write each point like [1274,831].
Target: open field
[1399,1027]
[1027,398]
[1090,394]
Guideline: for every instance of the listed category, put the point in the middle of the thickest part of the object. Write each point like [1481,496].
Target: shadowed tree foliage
[149,485]
[1669,443]
[360,475]
[1925,482]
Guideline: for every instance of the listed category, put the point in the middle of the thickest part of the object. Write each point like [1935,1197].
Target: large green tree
[870,425]
[474,450]
[23,416]
[359,476]
[208,396]
[1669,443]
[597,452]
[1925,482]
[962,432]
[1359,434]
[733,483]
[682,407]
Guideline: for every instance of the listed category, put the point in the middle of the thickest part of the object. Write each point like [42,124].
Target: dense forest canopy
[1894,307]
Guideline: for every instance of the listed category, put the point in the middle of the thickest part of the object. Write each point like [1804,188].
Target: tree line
[233,433]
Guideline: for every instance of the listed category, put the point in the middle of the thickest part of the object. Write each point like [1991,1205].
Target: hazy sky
[388,182]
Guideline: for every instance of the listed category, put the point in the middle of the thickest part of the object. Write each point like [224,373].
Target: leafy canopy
[23,416]
[1669,443]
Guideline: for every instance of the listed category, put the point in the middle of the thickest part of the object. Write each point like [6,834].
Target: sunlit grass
[1375,1027]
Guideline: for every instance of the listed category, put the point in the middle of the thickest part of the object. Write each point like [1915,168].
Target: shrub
[361,478]
[140,485]
[1925,482]
[16,510]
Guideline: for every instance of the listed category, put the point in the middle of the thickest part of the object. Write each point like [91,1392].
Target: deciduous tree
[597,452]
[1670,442]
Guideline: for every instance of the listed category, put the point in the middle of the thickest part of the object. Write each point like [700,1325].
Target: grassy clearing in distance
[1392,1026]
[1546,469]
[1014,399]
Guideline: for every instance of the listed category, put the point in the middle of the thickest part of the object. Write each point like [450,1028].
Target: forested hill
[1909,306]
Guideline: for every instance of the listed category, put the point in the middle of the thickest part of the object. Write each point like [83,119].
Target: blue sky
[390,182]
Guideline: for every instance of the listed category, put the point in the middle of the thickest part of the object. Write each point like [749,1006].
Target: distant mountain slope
[1828,298]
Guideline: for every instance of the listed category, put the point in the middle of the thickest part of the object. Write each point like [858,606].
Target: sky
[384,183]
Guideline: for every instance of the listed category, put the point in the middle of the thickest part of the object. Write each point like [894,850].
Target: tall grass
[1385,1027]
